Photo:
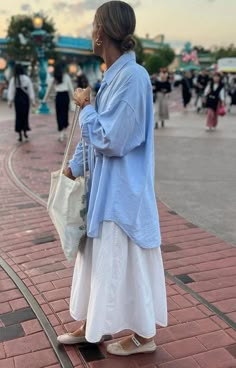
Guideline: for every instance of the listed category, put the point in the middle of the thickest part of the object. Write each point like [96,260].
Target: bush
[154,63]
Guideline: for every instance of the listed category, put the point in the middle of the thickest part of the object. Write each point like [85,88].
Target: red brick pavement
[195,337]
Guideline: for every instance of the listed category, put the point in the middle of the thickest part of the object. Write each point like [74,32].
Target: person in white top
[21,92]
[64,88]
[215,96]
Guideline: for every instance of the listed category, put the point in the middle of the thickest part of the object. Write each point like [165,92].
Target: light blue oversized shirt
[119,135]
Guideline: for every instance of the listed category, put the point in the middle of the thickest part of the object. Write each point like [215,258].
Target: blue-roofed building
[78,51]
[78,46]
[3,43]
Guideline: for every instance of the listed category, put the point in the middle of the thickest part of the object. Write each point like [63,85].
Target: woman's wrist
[68,172]
[85,103]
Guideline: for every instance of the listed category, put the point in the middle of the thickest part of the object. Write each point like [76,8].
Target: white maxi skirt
[117,286]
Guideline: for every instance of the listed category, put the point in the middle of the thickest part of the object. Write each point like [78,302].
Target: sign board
[227,65]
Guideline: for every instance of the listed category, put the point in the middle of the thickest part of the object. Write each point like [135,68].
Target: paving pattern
[200,270]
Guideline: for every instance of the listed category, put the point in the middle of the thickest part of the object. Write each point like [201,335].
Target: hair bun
[128,43]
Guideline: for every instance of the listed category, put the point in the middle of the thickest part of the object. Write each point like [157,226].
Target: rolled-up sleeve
[114,132]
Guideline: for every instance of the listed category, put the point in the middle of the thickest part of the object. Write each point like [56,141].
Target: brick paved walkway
[201,274]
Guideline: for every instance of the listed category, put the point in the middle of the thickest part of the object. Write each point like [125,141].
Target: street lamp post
[39,36]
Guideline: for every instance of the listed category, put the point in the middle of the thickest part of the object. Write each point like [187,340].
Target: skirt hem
[112,332]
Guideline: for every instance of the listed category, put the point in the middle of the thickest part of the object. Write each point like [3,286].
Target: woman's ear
[100,32]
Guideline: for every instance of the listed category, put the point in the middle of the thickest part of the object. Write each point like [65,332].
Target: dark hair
[58,73]
[118,21]
[217,74]
[163,70]
[18,71]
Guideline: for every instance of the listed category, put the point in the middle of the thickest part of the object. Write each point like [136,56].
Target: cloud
[25,7]
[86,5]
[94,4]
[65,7]
[84,30]
[3,12]
[135,3]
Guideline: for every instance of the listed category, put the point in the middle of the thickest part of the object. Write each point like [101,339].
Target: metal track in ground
[19,183]
[42,318]
[62,356]
[48,329]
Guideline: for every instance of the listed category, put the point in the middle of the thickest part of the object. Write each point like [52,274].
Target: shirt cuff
[75,168]
[84,114]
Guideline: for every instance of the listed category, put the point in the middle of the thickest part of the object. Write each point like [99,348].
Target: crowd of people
[210,92]
[21,94]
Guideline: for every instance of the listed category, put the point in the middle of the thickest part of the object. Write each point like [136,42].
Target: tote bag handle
[68,145]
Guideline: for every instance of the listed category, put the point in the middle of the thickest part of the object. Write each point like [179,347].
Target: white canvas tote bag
[67,203]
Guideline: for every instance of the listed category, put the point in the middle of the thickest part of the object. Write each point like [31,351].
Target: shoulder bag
[67,203]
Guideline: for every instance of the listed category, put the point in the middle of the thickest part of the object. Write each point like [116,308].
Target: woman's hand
[67,172]
[82,96]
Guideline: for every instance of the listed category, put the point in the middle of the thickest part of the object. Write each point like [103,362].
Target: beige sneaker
[117,349]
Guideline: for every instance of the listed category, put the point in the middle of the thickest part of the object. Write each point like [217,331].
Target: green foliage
[201,49]
[217,52]
[167,54]
[139,50]
[154,63]
[162,59]
[224,52]
[22,24]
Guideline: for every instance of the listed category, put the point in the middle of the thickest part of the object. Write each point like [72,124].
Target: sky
[202,22]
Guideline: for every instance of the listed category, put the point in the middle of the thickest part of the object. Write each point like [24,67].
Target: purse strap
[69,141]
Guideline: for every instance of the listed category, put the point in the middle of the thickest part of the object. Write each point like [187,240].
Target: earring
[98,42]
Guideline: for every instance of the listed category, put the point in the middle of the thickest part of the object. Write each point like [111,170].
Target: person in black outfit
[232,93]
[187,86]
[82,80]
[163,88]
[21,92]
[202,82]
[64,88]
[215,96]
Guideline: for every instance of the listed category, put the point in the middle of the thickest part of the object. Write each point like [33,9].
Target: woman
[202,81]
[21,91]
[63,87]
[215,97]
[232,93]
[163,88]
[187,85]
[118,280]
[82,80]
[153,79]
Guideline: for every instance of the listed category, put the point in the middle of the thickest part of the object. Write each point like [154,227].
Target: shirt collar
[117,66]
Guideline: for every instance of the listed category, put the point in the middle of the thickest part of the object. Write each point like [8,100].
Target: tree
[201,49]
[21,46]
[161,59]
[139,50]
[167,54]
[224,52]
[154,63]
